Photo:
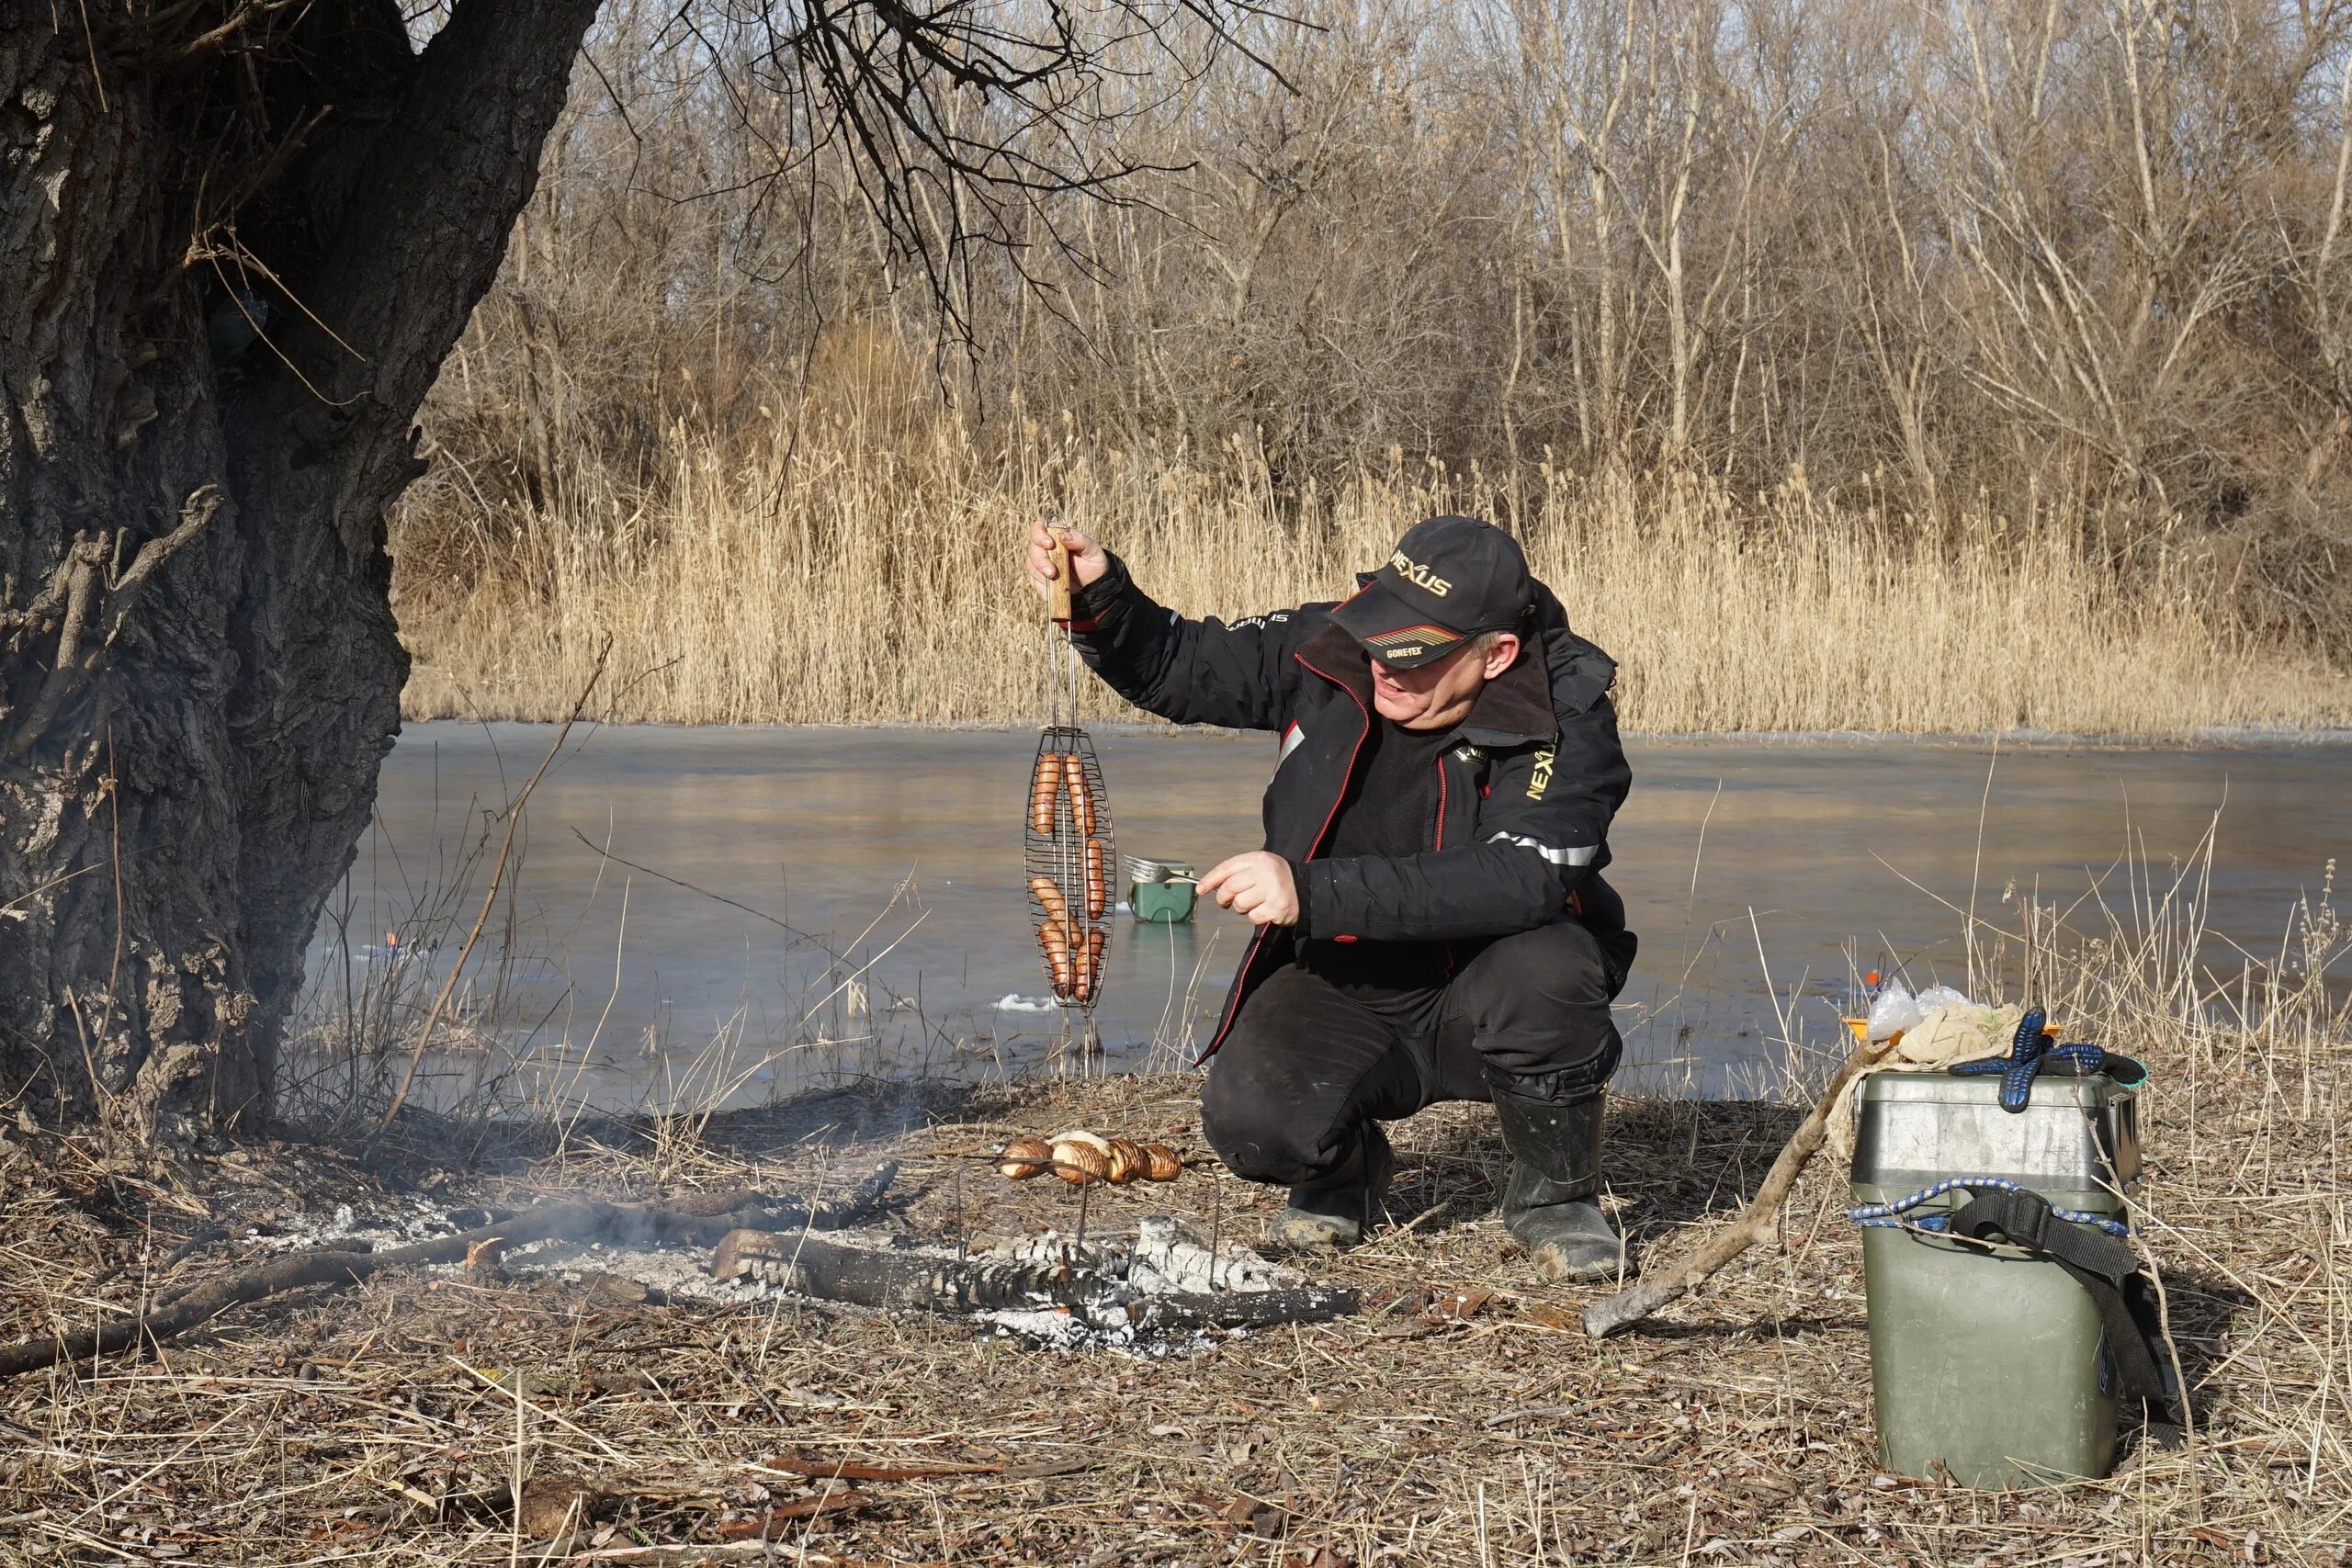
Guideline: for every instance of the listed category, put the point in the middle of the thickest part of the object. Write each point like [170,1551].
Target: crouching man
[1430,921]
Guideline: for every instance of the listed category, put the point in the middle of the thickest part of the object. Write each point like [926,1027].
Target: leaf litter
[638,1412]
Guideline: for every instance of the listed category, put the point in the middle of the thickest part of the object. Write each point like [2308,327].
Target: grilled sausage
[1127,1161]
[1049,897]
[1043,787]
[1025,1157]
[1080,1158]
[1059,968]
[1098,886]
[1082,798]
[1092,970]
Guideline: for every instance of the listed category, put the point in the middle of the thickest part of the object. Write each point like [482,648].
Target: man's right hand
[1087,560]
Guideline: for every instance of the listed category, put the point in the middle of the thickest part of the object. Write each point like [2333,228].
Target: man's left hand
[1258,884]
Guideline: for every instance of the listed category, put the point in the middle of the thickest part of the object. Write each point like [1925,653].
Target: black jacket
[1526,785]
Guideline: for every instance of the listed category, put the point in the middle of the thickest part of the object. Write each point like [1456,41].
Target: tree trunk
[200,673]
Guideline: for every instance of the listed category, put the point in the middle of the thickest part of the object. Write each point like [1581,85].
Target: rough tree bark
[198,669]
[237,238]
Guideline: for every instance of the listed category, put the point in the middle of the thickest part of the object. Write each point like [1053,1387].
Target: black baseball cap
[1448,580]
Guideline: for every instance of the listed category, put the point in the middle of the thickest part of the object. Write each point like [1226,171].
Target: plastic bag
[1894,1010]
[1936,997]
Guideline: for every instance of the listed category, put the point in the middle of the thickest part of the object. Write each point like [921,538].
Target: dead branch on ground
[1671,1283]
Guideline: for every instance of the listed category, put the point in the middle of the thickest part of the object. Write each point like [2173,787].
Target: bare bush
[1968,260]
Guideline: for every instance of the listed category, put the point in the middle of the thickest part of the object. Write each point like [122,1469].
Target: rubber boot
[1335,1211]
[1549,1205]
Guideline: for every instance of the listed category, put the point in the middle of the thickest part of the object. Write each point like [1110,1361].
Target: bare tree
[238,239]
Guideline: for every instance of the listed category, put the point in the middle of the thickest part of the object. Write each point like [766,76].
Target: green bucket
[1988,1362]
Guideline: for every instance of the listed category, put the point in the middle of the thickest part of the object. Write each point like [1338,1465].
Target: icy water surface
[799,906]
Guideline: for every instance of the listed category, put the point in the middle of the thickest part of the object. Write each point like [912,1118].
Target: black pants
[1306,1063]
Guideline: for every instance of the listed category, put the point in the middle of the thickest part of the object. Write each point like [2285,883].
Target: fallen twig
[858,1470]
[764,1528]
[1671,1282]
[643,1223]
[731,1551]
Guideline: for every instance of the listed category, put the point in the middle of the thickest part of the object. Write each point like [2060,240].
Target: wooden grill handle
[1057,597]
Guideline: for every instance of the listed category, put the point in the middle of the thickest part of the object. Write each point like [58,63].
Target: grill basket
[1072,867]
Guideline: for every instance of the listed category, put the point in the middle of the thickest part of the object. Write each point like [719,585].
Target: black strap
[2103,1265]
[2129,1071]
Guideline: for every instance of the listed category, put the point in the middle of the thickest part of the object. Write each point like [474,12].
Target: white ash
[682,1272]
[418,1220]
[1045,1329]
[1169,1259]
[1165,1258]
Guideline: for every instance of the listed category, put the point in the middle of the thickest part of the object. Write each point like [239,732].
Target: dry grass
[385,1427]
[865,572]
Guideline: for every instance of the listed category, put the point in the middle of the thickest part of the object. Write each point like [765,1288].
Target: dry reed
[865,572]
[1973,257]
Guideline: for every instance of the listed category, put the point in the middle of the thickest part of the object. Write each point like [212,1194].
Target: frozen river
[697,913]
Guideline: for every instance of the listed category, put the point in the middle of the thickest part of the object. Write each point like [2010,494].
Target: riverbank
[836,581]
[639,1415]
[1461,1419]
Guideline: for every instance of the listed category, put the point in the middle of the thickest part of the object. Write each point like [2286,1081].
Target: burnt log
[915,1281]
[696,1224]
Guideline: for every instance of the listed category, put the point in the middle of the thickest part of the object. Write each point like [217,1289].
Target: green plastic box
[1160,903]
[1989,1362]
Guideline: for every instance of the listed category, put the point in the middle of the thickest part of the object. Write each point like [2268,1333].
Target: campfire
[1164,1291]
